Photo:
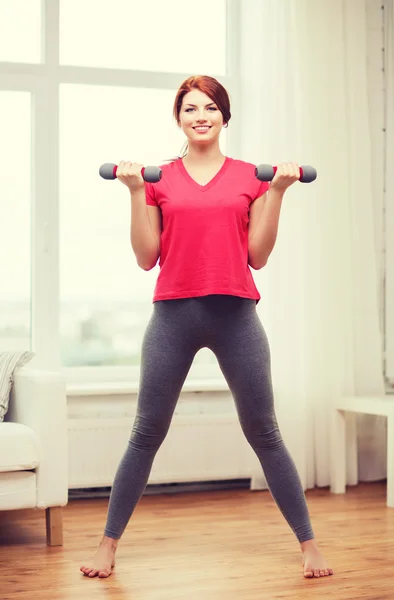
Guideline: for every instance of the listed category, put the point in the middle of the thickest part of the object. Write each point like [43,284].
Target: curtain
[305,98]
[387,175]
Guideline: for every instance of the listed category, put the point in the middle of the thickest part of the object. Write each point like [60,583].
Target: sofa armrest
[38,400]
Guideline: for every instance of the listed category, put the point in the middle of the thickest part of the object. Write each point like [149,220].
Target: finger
[285,169]
[137,168]
[129,168]
[291,170]
[295,170]
[120,169]
[133,169]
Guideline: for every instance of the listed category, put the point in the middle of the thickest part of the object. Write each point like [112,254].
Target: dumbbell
[267,172]
[149,174]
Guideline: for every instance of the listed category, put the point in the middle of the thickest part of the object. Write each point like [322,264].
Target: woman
[207,220]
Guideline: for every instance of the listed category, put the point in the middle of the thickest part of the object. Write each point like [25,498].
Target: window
[107,95]
[105,296]
[154,35]
[106,299]
[15,221]
[20,31]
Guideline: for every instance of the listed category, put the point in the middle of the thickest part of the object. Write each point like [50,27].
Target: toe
[104,573]
[321,572]
[330,572]
[316,573]
[93,573]
[308,574]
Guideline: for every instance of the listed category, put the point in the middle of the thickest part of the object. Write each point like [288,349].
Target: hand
[286,174]
[130,174]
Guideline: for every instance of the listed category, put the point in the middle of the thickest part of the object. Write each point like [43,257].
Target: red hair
[209,86]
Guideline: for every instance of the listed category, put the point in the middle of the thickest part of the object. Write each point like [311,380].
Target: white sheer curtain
[388,176]
[305,99]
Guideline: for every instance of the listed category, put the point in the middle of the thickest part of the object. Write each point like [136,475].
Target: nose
[201,118]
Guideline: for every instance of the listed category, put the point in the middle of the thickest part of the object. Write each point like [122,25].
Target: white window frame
[43,82]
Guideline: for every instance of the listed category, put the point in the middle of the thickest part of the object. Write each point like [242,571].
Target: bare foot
[103,561]
[315,564]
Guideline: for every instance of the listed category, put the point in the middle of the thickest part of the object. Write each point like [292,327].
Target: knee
[261,435]
[148,433]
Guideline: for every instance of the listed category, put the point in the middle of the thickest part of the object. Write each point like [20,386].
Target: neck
[198,153]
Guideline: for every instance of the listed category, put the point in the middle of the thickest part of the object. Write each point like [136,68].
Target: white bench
[344,438]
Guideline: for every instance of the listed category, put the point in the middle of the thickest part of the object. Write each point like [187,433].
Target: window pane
[15,221]
[20,31]
[154,35]
[106,299]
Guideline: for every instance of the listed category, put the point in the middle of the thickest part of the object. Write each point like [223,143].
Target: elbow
[146,257]
[147,263]
[258,255]
[257,265]
[257,262]
[146,266]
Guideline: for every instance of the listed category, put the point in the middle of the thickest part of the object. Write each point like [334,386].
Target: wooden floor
[205,546]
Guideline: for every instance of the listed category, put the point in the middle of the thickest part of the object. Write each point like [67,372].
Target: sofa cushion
[9,362]
[17,490]
[19,447]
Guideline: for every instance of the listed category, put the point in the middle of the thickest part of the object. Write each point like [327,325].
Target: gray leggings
[231,328]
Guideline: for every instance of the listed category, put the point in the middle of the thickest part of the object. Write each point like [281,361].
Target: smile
[202,128]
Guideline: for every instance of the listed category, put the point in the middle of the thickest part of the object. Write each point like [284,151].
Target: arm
[145,230]
[263,227]
[264,216]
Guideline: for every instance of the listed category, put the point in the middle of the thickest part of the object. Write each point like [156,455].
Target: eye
[213,108]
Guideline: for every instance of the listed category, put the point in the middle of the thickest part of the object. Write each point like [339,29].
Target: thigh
[168,349]
[243,354]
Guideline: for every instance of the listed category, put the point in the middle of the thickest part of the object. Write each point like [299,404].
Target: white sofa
[33,448]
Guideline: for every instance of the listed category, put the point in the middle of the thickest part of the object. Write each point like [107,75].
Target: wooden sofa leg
[54,523]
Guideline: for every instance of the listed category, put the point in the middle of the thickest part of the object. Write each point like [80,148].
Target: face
[200,118]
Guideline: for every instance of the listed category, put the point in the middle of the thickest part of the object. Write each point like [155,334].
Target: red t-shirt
[204,241]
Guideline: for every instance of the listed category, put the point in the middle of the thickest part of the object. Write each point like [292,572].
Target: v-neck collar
[207,186]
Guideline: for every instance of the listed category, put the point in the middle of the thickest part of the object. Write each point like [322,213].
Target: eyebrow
[194,106]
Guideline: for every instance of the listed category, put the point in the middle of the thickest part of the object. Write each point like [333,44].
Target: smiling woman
[204,297]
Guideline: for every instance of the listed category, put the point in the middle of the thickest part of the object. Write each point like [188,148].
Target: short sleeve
[262,188]
[150,194]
